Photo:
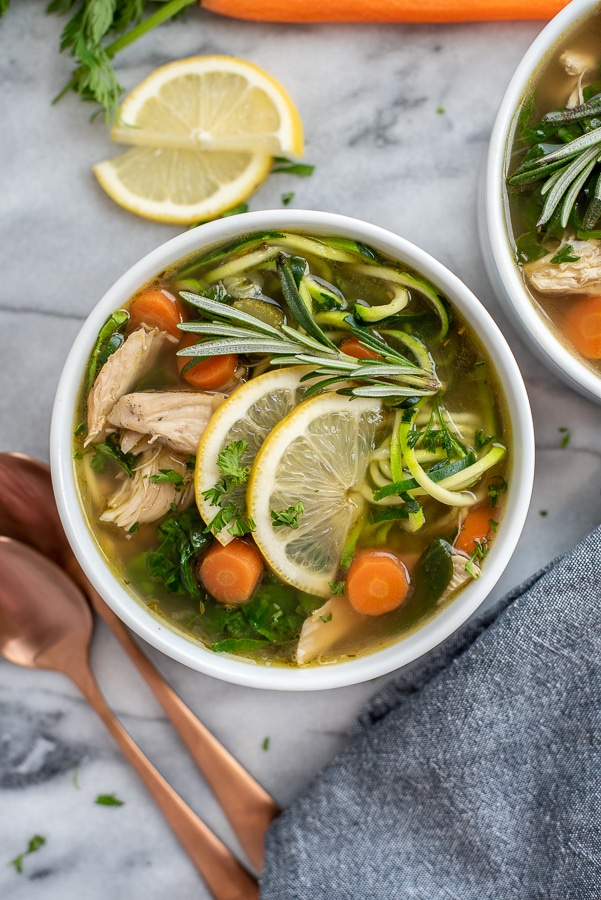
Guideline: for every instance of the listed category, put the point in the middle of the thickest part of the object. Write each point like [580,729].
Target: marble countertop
[397,121]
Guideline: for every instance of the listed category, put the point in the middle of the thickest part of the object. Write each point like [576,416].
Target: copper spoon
[28,513]
[45,623]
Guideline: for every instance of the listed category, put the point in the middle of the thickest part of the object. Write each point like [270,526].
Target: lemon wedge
[317,455]
[205,129]
[249,414]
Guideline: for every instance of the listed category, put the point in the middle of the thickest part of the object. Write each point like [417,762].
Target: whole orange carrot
[384,10]
[92,43]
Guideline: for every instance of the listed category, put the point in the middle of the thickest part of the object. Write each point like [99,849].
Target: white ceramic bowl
[493,224]
[241,671]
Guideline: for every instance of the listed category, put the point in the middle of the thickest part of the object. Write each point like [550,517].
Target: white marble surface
[371,100]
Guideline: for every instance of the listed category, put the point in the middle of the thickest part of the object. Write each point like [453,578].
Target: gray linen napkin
[477,774]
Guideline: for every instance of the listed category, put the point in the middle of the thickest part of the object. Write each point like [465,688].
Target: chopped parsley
[567,436]
[288,517]
[283,164]
[481,550]
[181,537]
[287,198]
[229,463]
[34,844]
[232,517]
[496,488]
[265,744]
[565,255]
[168,476]
[110,450]
[108,800]
[336,587]
[481,440]
[327,618]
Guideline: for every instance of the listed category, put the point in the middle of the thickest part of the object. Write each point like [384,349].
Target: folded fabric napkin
[476,774]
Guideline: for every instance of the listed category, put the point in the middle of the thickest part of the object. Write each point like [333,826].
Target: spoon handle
[223,874]
[248,807]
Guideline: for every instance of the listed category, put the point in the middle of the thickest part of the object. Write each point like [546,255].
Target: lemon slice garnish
[249,414]
[207,128]
[317,455]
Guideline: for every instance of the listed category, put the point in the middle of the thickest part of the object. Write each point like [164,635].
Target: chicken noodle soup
[292,449]
[554,190]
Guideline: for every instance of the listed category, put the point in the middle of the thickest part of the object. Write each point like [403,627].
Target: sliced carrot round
[210,374]
[157,308]
[231,573]
[582,326]
[377,582]
[353,347]
[476,528]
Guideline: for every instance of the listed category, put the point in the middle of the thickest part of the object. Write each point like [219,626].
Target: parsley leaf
[288,517]
[231,515]
[496,488]
[168,476]
[182,536]
[567,437]
[34,844]
[108,800]
[283,164]
[229,463]
[336,587]
[565,255]
[110,450]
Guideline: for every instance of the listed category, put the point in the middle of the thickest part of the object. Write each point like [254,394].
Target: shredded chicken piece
[141,500]
[583,276]
[133,442]
[459,577]
[576,64]
[119,375]
[325,628]
[175,418]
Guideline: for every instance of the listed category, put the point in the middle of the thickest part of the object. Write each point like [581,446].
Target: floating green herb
[110,450]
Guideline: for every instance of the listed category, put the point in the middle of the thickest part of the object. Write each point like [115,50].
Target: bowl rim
[495,231]
[237,670]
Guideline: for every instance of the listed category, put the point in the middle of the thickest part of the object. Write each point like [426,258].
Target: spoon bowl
[35,630]
[45,623]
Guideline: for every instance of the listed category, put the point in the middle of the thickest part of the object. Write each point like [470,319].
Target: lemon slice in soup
[317,456]
[248,415]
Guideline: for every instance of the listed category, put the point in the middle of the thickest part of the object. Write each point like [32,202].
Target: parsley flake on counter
[283,164]
[108,800]
[265,744]
[34,844]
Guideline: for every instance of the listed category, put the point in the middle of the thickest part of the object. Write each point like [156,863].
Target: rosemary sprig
[232,331]
[570,169]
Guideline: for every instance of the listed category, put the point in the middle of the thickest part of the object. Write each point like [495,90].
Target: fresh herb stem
[165,12]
